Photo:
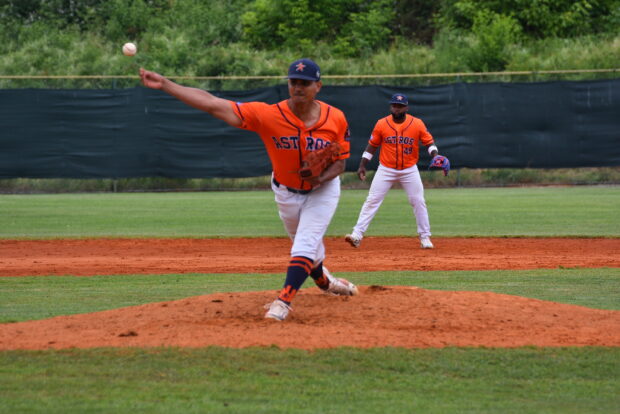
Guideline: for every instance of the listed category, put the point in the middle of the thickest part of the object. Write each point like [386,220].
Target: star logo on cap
[399,97]
[300,67]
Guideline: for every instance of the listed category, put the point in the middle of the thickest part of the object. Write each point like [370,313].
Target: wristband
[367,155]
[431,149]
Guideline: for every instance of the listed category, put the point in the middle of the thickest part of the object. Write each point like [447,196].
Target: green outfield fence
[55,128]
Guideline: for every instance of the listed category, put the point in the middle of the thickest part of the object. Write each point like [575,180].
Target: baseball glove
[317,161]
[440,162]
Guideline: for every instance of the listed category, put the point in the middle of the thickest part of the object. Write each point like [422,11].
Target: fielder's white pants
[382,182]
[307,216]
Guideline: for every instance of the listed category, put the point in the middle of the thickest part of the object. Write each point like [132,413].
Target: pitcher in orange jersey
[289,129]
[399,135]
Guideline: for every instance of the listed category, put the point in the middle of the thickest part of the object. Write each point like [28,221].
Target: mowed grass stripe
[344,380]
[26,298]
[531,211]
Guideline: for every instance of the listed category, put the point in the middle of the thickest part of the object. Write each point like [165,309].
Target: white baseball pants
[382,182]
[307,216]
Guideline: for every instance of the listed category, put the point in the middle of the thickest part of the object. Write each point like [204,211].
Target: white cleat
[425,243]
[353,240]
[278,310]
[339,286]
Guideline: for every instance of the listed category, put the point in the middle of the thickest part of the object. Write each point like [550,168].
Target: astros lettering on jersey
[400,142]
[282,133]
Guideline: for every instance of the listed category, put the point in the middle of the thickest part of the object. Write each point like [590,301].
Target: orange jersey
[400,142]
[288,140]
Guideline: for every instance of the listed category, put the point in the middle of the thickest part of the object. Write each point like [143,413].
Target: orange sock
[298,270]
[319,277]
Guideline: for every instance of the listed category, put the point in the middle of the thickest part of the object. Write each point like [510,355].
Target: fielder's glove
[317,161]
[440,162]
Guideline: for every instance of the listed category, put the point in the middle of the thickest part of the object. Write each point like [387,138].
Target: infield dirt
[380,316]
[87,257]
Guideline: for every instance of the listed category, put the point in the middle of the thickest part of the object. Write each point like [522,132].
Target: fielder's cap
[304,69]
[399,98]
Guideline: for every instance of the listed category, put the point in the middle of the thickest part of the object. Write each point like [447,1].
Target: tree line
[215,37]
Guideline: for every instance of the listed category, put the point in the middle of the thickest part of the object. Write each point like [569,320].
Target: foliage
[261,37]
[486,48]
[290,23]
[354,26]
[365,31]
[128,19]
[493,35]
[415,20]
[120,20]
[203,23]
[450,50]
[59,13]
[539,18]
[586,52]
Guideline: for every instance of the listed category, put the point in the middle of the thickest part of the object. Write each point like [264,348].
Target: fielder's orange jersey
[288,140]
[400,142]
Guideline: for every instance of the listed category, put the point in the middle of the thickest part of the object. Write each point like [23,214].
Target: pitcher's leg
[412,184]
[331,284]
[289,209]
[299,267]
[315,215]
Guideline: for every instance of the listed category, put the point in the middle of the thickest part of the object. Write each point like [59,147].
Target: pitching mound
[380,316]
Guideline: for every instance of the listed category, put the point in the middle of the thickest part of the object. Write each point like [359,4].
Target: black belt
[292,190]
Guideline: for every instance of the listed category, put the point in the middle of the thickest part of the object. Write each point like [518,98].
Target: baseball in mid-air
[129,49]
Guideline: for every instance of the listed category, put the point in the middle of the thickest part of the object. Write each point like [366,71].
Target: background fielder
[398,135]
[290,130]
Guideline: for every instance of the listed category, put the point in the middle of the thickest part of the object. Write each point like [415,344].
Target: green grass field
[532,211]
[271,380]
[37,297]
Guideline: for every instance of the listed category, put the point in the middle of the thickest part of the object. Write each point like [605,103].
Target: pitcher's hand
[151,79]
